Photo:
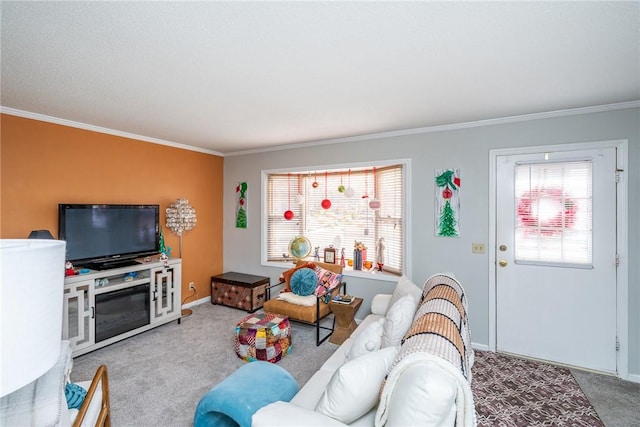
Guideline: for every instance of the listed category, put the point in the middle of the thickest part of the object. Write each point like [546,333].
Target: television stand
[105,306]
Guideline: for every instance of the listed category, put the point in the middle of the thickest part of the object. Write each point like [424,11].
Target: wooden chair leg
[104,417]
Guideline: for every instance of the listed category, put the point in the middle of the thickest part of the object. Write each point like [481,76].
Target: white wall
[467,149]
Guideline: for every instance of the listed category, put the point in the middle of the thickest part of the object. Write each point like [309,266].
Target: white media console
[103,307]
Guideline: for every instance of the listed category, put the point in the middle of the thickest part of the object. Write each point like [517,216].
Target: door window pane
[553,221]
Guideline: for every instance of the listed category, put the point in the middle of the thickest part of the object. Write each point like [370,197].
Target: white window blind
[349,219]
[554,213]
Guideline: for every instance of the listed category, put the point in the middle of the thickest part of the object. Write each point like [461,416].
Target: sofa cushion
[398,320]
[353,388]
[287,414]
[303,281]
[404,287]
[369,340]
[309,395]
[380,304]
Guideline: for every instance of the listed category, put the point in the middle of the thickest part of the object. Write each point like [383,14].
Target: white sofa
[420,387]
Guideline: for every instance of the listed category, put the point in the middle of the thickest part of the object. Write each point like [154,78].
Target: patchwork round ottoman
[263,336]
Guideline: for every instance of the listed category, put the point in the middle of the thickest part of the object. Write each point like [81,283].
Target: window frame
[406,209]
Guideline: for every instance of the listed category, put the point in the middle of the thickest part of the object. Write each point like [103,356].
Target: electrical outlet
[477,248]
[192,286]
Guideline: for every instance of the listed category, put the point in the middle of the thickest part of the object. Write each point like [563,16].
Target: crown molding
[366,137]
[449,127]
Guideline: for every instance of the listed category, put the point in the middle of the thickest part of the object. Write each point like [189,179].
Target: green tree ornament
[241,218]
[447,222]
[162,248]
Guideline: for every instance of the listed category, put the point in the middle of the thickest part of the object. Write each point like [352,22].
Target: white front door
[556,256]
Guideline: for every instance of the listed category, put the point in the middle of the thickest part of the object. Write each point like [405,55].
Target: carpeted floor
[158,377]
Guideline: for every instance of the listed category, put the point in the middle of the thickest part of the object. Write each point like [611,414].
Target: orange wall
[43,164]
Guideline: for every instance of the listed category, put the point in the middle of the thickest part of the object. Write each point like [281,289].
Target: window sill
[347,271]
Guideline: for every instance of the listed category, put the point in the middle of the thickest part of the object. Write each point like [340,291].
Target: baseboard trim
[197,302]
[479,347]
[634,378]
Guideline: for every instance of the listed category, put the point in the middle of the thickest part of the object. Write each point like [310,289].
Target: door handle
[503,263]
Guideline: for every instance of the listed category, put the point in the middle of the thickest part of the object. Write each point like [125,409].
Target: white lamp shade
[31,299]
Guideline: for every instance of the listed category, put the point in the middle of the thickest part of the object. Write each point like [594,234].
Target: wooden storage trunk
[238,290]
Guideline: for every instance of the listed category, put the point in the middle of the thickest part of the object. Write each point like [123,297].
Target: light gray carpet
[158,377]
[616,401]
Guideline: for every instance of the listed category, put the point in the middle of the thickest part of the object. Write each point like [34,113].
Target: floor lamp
[181,217]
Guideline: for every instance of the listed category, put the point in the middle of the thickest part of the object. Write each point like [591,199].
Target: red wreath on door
[564,218]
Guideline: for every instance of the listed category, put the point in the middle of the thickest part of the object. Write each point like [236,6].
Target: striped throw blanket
[439,336]
[441,325]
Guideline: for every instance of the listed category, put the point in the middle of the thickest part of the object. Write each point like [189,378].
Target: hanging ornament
[349,192]
[299,199]
[315,181]
[375,203]
[366,185]
[326,203]
[340,187]
[288,214]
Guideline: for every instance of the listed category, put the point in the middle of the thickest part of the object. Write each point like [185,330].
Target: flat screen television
[100,237]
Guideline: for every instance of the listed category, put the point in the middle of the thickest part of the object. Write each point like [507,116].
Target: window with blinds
[349,219]
[554,213]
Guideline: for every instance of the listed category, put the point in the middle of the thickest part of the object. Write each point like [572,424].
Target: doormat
[510,391]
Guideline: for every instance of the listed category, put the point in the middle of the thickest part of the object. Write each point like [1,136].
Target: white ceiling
[236,76]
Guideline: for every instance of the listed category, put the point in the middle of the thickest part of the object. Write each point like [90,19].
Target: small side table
[345,319]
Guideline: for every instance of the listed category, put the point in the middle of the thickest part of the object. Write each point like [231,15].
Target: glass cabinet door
[163,294]
[78,326]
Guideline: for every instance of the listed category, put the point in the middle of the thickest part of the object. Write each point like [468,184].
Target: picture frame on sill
[330,255]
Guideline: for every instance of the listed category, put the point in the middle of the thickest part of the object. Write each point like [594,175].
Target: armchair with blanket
[304,297]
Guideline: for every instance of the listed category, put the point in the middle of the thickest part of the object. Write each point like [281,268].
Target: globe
[299,247]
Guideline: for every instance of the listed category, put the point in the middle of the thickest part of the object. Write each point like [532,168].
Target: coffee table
[263,336]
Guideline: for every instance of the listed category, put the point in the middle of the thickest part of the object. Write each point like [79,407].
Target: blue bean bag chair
[233,401]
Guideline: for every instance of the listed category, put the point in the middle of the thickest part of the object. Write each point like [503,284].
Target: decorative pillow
[404,287]
[398,321]
[286,276]
[327,280]
[304,281]
[307,301]
[75,395]
[369,340]
[353,388]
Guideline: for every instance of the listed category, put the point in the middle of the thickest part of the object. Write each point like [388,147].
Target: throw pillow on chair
[304,281]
